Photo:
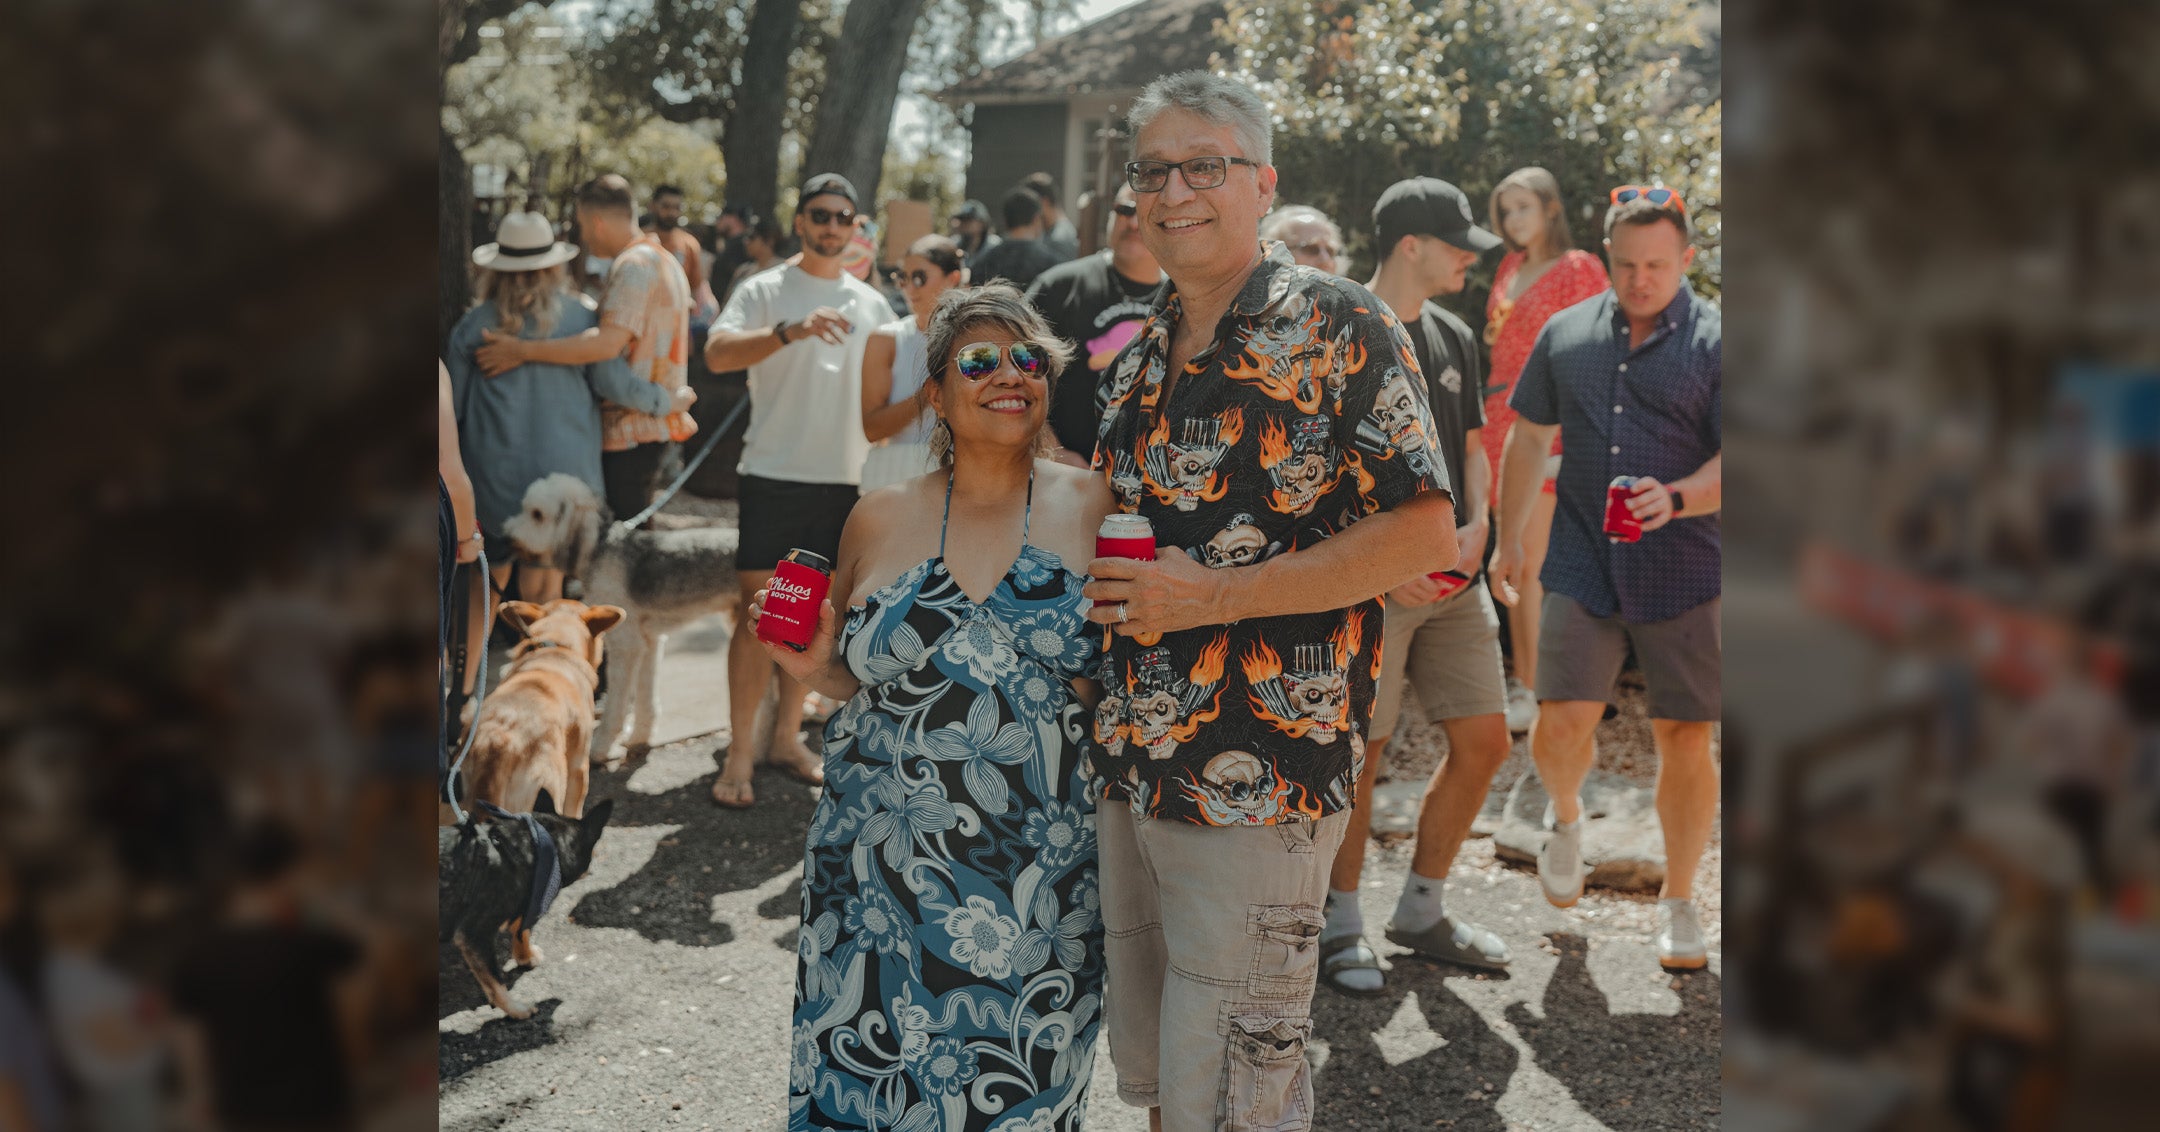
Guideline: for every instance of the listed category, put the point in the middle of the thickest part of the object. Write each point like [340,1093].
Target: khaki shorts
[1450,651]
[1579,658]
[1212,937]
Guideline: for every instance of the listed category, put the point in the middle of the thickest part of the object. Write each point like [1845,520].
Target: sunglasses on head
[978,360]
[822,216]
[1199,172]
[1657,196]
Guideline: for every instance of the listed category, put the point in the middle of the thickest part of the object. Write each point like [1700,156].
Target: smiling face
[1005,409]
[1649,265]
[1200,236]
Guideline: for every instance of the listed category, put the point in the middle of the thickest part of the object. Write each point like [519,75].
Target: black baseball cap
[832,183]
[972,210]
[1428,206]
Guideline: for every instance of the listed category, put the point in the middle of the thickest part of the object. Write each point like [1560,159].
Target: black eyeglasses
[820,216]
[1199,172]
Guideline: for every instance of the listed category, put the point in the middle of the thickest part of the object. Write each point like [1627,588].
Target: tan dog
[533,730]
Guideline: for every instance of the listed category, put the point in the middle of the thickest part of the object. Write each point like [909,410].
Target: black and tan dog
[492,873]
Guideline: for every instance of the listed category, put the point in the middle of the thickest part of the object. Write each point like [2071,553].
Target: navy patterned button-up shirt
[1648,411]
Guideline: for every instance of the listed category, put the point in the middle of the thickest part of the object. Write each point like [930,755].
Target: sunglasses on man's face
[978,360]
[1199,172]
[1657,196]
[1322,249]
[820,216]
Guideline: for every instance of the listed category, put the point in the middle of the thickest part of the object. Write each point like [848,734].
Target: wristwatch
[779,331]
[1678,504]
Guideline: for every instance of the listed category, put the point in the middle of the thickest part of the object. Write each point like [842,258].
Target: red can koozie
[1621,525]
[1450,581]
[793,599]
[1125,536]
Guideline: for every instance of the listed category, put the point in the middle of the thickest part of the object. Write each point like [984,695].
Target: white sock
[1423,902]
[1344,917]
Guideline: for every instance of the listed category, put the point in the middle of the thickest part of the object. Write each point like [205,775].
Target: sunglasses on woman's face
[1659,196]
[978,360]
[917,278]
[1124,209]
[821,217]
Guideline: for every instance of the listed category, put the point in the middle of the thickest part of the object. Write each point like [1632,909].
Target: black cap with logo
[1428,206]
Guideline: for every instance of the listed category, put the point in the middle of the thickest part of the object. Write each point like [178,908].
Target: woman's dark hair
[941,251]
[965,310]
[764,228]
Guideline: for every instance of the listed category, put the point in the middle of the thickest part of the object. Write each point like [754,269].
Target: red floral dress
[1512,327]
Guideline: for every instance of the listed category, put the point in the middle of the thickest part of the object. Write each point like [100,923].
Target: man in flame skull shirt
[1273,439]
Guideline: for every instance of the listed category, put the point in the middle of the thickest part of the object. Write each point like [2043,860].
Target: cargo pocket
[1270,1085]
[1286,949]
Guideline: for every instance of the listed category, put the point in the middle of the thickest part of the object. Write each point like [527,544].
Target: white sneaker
[1560,869]
[1679,938]
[1522,709]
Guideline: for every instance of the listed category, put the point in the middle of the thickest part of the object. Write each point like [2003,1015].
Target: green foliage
[1368,93]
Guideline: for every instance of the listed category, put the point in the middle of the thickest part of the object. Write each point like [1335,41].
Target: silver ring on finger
[1121,613]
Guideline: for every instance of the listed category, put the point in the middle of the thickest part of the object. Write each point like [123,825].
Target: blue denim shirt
[1648,411]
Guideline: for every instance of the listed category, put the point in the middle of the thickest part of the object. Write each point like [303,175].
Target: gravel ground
[664,994]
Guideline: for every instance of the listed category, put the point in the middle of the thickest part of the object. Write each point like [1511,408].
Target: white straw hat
[524,242]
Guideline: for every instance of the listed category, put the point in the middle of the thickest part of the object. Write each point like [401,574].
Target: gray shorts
[1449,654]
[1212,942]
[1579,657]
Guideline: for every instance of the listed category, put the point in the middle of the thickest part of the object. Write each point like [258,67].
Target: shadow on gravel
[459,1054]
[671,897]
[1634,1072]
[1448,1082]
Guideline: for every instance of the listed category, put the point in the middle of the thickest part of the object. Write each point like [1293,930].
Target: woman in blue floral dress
[950,975]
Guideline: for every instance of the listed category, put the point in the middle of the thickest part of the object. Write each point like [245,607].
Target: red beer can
[1125,536]
[793,599]
[1621,525]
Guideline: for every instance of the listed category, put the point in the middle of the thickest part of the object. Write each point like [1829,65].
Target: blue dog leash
[547,863]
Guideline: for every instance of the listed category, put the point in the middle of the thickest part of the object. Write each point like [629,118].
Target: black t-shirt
[1454,382]
[1097,311]
[1016,261]
[263,997]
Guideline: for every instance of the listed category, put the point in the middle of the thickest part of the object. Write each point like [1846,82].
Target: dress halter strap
[1027,512]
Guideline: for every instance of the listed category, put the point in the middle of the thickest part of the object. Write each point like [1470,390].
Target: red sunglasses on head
[1658,196]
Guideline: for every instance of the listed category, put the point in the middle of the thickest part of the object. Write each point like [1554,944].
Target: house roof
[1122,52]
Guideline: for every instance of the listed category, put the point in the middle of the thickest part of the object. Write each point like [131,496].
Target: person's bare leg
[1477,745]
[750,671]
[787,751]
[1349,867]
[1564,744]
[1687,797]
[1523,618]
[540,584]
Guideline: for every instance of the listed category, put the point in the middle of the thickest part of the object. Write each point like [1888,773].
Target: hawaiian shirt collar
[1262,289]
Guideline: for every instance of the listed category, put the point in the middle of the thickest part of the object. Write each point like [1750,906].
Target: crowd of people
[222,923]
[1135,793]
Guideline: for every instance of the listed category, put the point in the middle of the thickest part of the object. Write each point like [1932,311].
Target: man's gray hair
[1216,98]
[1273,224]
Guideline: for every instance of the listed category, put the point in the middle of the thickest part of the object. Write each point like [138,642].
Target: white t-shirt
[806,399]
